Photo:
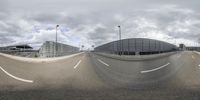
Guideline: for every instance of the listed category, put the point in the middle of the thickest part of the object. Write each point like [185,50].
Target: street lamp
[82,47]
[120,39]
[56,39]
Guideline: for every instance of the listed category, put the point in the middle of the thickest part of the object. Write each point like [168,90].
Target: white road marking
[193,57]
[77,64]
[199,65]
[155,68]
[17,78]
[179,56]
[103,62]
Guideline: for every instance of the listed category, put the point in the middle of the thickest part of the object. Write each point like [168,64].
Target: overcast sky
[94,22]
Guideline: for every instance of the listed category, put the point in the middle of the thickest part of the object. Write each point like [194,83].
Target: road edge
[39,60]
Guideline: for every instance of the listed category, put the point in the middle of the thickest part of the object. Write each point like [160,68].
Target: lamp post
[120,48]
[82,47]
[199,41]
[56,40]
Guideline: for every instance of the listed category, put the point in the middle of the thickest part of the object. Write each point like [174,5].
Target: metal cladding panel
[157,46]
[115,46]
[162,46]
[152,45]
[146,46]
[48,49]
[110,46]
[136,45]
[166,47]
[125,45]
[132,45]
[139,43]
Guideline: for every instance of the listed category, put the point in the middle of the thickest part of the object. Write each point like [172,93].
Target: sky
[94,22]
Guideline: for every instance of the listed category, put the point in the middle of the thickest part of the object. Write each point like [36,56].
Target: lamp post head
[57,25]
[119,26]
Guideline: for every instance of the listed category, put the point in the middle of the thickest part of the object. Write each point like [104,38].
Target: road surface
[88,76]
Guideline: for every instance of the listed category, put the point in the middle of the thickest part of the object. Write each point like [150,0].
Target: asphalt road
[92,77]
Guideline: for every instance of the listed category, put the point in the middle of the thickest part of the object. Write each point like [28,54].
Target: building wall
[136,46]
[193,48]
[182,47]
[15,50]
[48,49]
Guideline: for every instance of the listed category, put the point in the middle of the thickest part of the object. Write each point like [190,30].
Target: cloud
[86,22]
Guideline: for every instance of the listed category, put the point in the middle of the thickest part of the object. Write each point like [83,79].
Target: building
[182,47]
[193,48]
[189,48]
[136,46]
[19,50]
[48,49]
[16,48]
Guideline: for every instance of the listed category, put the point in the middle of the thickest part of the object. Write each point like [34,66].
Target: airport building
[136,46]
[51,49]
[193,48]
[19,50]
[182,47]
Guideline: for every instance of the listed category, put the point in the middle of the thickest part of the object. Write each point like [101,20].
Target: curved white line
[155,68]
[17,78]
[103,62]
[193,57]
[179,56]
[77,64]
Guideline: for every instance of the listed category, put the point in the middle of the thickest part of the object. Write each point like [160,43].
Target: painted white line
[199,65]
[155,68]
[179,56]
[77,64]
[103,62]
[17,78]
[193,57]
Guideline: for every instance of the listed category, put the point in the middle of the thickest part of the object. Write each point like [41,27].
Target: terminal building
[19,50]
[193,48]
[189,48]
[136,46]
[50,49]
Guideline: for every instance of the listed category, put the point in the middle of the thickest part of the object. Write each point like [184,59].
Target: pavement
[87,76]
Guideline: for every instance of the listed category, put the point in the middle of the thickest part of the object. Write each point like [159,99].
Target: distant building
[15,48]
[48,49]
[182,47]
[193,48]
[189,48]
[136,46]
[19,50]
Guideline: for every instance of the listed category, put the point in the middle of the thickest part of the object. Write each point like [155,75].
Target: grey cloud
[81,19]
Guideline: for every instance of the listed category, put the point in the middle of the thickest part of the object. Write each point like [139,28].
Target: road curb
[39,60]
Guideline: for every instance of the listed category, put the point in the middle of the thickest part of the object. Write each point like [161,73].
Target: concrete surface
[88,76]
[39,60]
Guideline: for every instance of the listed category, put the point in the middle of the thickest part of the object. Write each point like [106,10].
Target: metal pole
[56,40]
[120,48]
